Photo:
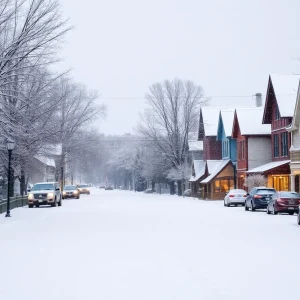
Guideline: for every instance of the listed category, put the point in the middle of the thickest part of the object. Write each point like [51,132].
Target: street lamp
[10,147]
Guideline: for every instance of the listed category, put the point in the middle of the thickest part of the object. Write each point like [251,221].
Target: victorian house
[278,112]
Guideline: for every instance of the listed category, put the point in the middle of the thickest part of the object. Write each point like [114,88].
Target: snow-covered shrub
[255,180]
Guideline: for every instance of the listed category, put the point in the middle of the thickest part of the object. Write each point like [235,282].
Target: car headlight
[75,192]
[30,196]
[50,195]
[64,193]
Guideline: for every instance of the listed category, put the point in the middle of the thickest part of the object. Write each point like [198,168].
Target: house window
[277,113]
[225,148]
[284,144]
[276,145]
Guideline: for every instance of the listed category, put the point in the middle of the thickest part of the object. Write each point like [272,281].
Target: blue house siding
[228,143]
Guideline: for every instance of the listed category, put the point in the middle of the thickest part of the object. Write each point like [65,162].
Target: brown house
[278,112]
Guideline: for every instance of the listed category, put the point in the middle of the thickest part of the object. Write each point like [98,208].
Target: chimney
[258,99]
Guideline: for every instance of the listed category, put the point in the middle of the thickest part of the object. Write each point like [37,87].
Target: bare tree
[78,109]
[172,113]
[255,180]
[30,31]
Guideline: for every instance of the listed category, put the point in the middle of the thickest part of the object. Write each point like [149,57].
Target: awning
[269,166]
[217,168]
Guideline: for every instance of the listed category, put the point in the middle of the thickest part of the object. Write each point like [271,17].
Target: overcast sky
[120,47]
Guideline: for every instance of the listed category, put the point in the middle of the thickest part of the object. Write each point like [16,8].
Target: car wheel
[228,204]
[291,213]
[274,211]
[54,204]
[60,202]
[252,207]
[246,207]
[224,203]
[37,205]
[298,219]
[30,205]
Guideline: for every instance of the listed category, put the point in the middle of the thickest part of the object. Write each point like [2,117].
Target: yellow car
[84,189]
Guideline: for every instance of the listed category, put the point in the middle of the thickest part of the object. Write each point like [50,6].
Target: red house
[278,112]
[208,127]
[253,140]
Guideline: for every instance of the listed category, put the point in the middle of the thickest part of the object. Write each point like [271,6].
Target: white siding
[259,151]
[296,139]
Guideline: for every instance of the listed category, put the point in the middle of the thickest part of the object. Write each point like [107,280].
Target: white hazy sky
[229,47]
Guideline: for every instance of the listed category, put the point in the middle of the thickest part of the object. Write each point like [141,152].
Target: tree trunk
[179,186]
[172,188]
[153,185]
[23,189]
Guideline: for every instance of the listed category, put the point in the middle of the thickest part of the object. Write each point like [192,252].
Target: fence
[14,203]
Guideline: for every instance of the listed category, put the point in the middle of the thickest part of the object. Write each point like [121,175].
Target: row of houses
[239,142]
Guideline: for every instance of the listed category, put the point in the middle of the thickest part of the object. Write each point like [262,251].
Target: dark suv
[259,198]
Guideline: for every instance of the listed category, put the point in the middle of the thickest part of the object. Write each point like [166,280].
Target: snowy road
[124,245]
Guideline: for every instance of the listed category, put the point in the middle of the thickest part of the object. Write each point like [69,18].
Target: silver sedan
[235,197]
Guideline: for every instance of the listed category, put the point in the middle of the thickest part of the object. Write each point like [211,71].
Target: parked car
[71,191]
[298,217]
[235,197]
[84,189]
[284,202]
[259,198]
[45,193]
[109,188]
[187,193]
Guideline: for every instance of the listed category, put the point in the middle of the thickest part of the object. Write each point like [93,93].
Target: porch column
[292,180]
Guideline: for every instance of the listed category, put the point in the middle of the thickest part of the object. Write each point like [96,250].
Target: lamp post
[10,147]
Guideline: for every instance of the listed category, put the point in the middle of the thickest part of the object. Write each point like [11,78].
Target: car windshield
[70,187]
[265,191]
[83,186]
[42,186]
[289,195]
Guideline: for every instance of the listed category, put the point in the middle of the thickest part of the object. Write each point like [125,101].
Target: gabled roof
[285,87]
[215,167]
[193,143]
[210,118]
[46,160]
[199,167]
[296,117]
[269,166]
[250,121]
[225,122]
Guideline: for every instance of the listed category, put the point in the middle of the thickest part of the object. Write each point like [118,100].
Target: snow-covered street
[126,245]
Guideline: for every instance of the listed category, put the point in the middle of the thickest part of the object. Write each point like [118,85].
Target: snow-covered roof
[46,160]
[285,88]
[269,166]
[214,168]
[211,119]
[199,167]
[194,144]
[250,121]
[227,119]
